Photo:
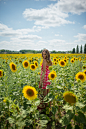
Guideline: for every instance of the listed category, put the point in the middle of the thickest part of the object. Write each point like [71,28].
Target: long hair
[47,56]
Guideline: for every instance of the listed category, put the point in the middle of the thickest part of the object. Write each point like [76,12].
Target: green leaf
[49,97]
[37,102]
[59,87]
[67,118]
[11,120]
[64,121]
[43,123]
[82,117]
[54,110]
[80,105]
[67,107]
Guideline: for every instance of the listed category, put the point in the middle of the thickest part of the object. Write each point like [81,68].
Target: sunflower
[25,64]
[13,67]
[55,63]
[65,60]
[4,100]
[69,97]
[54,59]
[84,72]
[50,68]
[36,63]
[1,73]
[32,67]
[29,92]
[62,63]
[81,76]
[38,73]
[41,63]
[84,67]
[57,60]
[52,75]
[72,60]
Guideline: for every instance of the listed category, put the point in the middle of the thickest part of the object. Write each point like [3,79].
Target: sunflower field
[19,90]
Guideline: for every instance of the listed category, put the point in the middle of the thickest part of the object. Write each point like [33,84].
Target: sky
[58,25]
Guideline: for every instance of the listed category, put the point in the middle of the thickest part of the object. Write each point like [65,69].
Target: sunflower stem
[74,113]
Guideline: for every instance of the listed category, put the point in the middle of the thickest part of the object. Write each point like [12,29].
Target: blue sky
[36,24]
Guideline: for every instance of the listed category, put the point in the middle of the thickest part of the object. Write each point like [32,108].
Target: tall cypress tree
[81,49]
[85,48]
[73,51]
[77,49]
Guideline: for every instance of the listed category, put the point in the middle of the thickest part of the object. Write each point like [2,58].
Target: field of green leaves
[18,106]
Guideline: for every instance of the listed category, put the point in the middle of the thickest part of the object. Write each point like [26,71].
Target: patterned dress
[43,87]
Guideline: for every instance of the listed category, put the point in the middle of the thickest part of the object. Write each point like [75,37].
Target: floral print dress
[43,87]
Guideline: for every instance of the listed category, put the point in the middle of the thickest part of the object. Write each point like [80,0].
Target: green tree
[77,49]
[81,49]
[85,48]
[73,51]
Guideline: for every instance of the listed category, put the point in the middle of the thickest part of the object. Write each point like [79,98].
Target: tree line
[74,50]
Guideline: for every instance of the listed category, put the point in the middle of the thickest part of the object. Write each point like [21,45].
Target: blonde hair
[47,56]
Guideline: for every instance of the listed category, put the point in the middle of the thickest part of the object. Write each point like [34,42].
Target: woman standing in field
[44,78]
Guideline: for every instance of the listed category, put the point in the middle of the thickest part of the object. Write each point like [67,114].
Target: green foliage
[20,113]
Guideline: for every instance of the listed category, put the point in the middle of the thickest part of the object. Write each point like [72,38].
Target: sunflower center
[52,75]
[36,64]
[33,67]
[81,77]
[13,67]
[26,64]
[0,73]
[85,72]
[54,59]
[62,63]
[72,61]
[65,60]
[30,92]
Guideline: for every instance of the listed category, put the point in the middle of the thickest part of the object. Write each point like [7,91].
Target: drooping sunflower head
[1,73]
[80,76]
[29,92]
[13,67]
[32,67]
[36,63]
[69,97]
[25,64]
[52,75]
[62,63]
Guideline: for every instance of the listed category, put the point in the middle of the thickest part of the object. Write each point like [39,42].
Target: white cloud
[84,27]
[73,6]
[55,14]
[47,17]
[56,42]
[5,31]
[81,38]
